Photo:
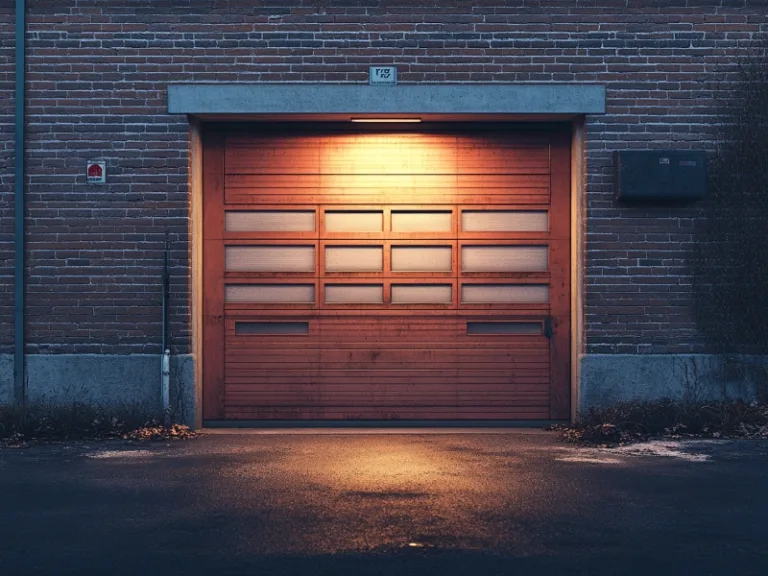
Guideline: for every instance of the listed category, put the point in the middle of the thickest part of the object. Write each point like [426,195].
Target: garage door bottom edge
[381,423]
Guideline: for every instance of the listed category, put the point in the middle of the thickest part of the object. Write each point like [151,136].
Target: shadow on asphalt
[439,563]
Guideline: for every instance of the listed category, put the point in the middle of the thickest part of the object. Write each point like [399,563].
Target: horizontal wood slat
[353,401]
[465,385]
[404,196]
[389,412]
[293,377]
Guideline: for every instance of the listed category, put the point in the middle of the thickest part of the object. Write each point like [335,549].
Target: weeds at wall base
[36,423]
[629,422]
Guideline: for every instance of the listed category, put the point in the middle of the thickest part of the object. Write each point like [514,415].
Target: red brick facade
[97,77]
[6,174]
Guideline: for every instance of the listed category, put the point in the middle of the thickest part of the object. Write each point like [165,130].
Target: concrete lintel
[350,99]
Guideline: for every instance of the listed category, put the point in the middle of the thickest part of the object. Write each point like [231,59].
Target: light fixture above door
[386,120]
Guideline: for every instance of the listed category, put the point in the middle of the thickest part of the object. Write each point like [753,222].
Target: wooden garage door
[362,274]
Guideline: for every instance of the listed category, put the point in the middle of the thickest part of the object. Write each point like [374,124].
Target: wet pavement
[432,502]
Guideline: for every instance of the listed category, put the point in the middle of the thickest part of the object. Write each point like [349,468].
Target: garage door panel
[503,160]
[272,158]
[447,198]
[270,221]
[365,160]
[262,346]
[393,369]
[387,275]
[493,196]
[310,365]
[394,340]
[270,293]
[495,221]
[421,221]
[397,412]
[263,183]
[374,397]
[273,184]
[388,352]
[290,384]
[480,372]
[382,356]
[266,156]
[372,401]
[269,258]
[502,181]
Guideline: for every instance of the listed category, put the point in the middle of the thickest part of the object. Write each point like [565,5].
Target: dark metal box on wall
[660,176]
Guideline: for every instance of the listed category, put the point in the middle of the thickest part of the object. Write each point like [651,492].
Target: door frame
[571,142]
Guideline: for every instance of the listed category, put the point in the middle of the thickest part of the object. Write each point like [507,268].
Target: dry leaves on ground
[175,432]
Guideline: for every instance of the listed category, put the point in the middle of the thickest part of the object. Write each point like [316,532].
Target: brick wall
[7,56]
[98,71]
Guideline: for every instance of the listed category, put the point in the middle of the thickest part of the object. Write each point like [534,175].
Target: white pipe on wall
[165,387]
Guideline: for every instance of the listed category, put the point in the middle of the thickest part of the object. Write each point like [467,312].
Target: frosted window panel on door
[503,221]
[421,258]
[269,258]
[354,259]
[421,221]
[270,221]
[269,293]
[504,259]
[354,221]
[421,294]
[354,294]
[505,294]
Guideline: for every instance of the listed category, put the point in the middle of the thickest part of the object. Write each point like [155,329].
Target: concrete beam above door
[431,101]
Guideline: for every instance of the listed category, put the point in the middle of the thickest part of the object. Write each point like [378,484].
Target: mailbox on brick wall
[660,176]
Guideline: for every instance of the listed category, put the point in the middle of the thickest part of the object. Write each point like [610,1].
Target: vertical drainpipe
[19,369]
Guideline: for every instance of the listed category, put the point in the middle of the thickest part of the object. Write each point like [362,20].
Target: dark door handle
[548,327]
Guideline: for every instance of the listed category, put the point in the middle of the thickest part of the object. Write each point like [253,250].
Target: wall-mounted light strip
[386,120]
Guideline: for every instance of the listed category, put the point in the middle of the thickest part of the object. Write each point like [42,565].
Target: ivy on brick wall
[731,260]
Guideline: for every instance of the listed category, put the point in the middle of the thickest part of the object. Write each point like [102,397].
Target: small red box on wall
[96,171]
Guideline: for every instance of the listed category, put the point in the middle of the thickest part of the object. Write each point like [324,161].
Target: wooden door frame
[209,336]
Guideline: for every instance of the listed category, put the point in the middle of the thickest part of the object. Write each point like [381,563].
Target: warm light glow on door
[386,272]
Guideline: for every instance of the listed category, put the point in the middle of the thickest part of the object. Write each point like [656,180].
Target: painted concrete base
[107,380]
[606,379]
[6,378]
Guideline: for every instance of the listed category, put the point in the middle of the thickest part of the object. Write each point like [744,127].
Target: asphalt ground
[421,502]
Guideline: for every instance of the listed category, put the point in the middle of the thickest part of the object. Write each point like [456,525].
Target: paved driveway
[388,503]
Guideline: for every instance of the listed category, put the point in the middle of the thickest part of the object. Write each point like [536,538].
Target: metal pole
[19,369]
[166,291]
[165,364]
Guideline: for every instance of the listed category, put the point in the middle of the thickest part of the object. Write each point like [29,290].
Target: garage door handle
[548,327]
